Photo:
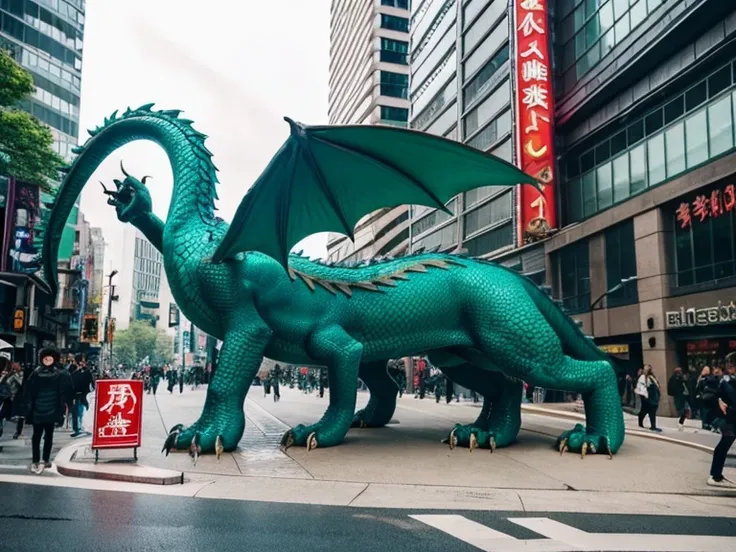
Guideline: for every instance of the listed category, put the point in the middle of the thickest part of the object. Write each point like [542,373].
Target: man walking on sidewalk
[49,391]
[82,384]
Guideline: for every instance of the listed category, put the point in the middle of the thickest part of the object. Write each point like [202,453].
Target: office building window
[484,81]
[443,239]
[433,219]
[402,4]
[394,23]
[497,128]
[493,240]
[621,265]
[394,84]
[394,242]
[587,30]
[394,51]
[394,114]
[444,97]
[488,108]
[689,129]
[494,212]
[574,267]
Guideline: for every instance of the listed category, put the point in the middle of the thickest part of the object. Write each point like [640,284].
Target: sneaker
[723,483]
[680,427]
[47,465]
[657,429]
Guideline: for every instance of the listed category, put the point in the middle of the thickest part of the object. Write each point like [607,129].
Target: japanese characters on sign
[118,414]
[534,114]
[705,206]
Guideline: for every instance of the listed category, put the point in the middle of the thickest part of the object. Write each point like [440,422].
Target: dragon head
[131,198]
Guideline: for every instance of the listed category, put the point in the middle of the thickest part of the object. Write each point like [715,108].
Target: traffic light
[89,329]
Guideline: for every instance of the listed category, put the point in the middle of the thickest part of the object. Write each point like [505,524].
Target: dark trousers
[647,408]
[719,456]
[47,430]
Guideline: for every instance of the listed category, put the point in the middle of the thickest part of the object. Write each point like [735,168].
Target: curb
[644,434]
[66,465]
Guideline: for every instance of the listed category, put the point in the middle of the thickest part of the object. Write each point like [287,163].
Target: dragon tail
[574,341]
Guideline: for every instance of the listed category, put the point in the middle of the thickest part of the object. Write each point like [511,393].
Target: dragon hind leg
[341,353]
[604,429]
[500,418]
[382,402]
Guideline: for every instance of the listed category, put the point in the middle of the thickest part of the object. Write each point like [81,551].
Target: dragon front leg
[222,422]
[499,421]
[382,402]
[341,353]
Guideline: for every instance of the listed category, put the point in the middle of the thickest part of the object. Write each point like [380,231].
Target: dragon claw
[170,442]
[492,442]
[452,440]
[287,440]
[195,448]
[219,447]
[473,442]
[312,441]
[584,450]
[177,428]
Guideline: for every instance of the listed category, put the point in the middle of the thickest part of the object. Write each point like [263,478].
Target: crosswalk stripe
[485,538]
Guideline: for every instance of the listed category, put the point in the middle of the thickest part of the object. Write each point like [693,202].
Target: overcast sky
[234,67]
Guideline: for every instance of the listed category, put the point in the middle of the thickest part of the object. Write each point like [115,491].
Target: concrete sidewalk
[405,465]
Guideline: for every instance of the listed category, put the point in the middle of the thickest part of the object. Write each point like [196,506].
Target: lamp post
[624,282]
[110,298]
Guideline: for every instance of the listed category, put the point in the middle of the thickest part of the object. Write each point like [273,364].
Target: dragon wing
[326,178]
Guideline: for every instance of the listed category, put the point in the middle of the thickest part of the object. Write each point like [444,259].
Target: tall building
[369,78]
[645,121]
[46,37]
[138,282]
[461,88]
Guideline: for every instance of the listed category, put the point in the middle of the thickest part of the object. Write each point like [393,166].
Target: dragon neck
[193,170]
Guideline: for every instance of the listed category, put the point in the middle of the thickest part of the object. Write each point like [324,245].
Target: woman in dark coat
[49,390]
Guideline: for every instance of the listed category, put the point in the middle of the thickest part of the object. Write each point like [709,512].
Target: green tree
[141,340]
[25,143]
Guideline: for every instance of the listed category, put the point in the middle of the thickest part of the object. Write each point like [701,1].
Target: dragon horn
[143,180]
[123,168]
[108,192]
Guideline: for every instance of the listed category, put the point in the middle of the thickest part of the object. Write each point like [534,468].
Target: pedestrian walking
[647,388]
[49,392]
[181,380]
[678,389]
[275,376]
[82,384]
[726,421]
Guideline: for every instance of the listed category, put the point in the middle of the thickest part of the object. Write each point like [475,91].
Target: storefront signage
[615,349]
[724,313]
[534,118]
[118,414]
[19,320]
[705,206]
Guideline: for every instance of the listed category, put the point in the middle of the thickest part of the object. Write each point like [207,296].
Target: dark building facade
[645,257]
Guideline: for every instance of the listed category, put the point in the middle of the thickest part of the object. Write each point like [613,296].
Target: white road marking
[625,542]
[485,538]
[564,538]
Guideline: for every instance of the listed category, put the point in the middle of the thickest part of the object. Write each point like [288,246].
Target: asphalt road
[50,518]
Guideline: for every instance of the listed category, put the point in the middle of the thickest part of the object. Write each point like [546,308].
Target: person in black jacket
[726,421]
[82,384]
[49,391]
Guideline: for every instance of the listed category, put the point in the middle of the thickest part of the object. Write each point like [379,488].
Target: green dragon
[485,326]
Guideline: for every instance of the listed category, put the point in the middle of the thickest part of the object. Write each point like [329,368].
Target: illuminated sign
[534,118]
[705,206]
[19,320]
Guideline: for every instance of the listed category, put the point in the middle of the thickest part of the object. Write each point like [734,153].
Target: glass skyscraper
[46,37]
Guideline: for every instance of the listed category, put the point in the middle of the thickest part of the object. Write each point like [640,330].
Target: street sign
[118,414]
[173,315]
[89,329]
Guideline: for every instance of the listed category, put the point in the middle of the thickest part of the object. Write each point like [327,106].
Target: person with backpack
[49,392]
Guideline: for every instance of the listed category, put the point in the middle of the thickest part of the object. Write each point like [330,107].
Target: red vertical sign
[118,414]
[534,118]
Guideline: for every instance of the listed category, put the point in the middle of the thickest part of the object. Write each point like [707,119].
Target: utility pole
[109,326]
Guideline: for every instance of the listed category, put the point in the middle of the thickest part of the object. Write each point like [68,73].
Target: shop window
[575,277]
[704,250]
[621,264]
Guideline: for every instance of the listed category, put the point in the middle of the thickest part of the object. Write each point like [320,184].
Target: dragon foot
[471,437]
[307,436]
[365,417]
[201,438]
[579,440]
